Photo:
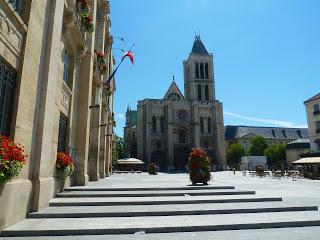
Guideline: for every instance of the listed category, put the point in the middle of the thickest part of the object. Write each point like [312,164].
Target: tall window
[62,139]
[209,125]
[154,124]
[197,70]
[201,125]
[162,124]
[316,109]
[206,92]
[318,126]
[199,93]
[66,67]
[182,136]
[201,71]
[206,68]
[7,85]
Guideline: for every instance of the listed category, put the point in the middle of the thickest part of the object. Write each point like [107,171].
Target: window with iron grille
[7,85]
[66,67]
[16,4]
[62,140]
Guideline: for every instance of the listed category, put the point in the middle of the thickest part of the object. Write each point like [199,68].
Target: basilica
[164,131]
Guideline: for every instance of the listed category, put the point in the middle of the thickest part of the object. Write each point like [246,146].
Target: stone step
[76,194]
[199,187]
[88,201]
[167,210]
[297,233]
[161,224]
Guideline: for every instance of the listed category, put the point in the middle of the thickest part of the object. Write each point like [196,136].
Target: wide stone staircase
[114,210]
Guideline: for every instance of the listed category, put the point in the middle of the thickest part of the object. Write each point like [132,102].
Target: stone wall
[34,44]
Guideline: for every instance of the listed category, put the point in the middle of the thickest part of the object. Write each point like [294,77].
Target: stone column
[103,148]
[196,127]
[148,134]
[108,139]
[171,136]
[47,110]
[94,139]
[80,175]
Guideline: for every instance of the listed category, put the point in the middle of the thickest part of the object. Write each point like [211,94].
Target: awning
[308,161]
[130,161]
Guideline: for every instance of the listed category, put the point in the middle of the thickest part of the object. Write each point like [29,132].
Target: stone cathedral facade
[166,129]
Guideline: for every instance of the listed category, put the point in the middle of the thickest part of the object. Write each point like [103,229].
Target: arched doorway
[181,155]
[159,158]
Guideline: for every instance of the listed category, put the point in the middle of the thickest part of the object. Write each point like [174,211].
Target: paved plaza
[167,206]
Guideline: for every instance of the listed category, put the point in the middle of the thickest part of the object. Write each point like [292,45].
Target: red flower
[11,151]
[99,54]
[64,159]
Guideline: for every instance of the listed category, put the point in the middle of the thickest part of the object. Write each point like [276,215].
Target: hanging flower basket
[152,169]
[84,8]
[64,165]
[101,63]
[107,89]
[12,159]
[199,167]
[87,23]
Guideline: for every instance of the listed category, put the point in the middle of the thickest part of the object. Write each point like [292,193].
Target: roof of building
[198,47]
[299,144]
[173,89]
[308,161]
[315,97]
[232,132]
[131,161]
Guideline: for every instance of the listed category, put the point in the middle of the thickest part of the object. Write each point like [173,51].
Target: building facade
[167,129]
[313,116]
[53,97]
[296,149]
[244,134]
[130,134]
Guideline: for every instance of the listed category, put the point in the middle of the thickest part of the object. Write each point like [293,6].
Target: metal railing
[16,5]
[7,85]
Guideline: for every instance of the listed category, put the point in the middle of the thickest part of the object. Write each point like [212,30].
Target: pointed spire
[198,47]
[173,78]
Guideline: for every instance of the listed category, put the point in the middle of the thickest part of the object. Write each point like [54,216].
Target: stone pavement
[139,206]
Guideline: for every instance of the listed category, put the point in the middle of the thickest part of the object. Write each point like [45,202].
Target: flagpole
[119,65]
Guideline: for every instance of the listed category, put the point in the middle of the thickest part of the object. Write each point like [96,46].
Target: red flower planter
[199,167]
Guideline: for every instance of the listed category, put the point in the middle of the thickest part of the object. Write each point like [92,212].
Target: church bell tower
[199,74]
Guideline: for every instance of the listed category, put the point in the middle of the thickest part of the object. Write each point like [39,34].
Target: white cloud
[265,120]
[120,116]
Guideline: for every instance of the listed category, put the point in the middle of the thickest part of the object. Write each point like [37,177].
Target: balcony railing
[316,112]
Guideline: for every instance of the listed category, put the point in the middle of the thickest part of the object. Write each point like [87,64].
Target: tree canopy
[234,154]
[276,155]
[117,151]
[258,146]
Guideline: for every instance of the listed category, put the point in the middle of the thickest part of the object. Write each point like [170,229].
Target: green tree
[234,154]
[258,146]
[117,151]
[276,155]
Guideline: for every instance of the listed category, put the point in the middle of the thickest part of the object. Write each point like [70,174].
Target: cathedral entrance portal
[181,155]
[159,158]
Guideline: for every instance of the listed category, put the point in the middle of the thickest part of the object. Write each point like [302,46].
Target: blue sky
[266,54]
